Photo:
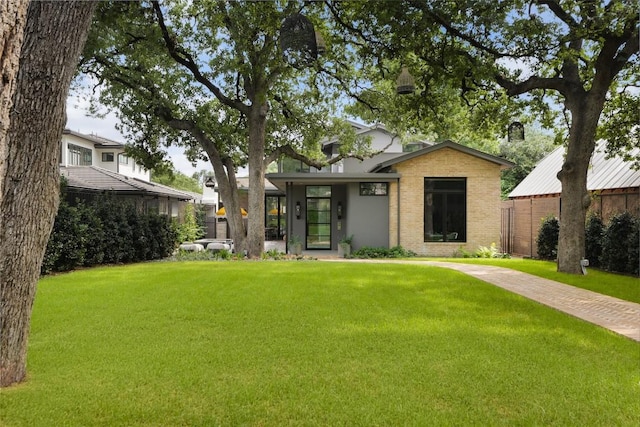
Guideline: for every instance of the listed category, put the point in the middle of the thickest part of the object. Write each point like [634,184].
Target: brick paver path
[622,317]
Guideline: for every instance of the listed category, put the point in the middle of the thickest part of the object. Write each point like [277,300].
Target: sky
[78,121]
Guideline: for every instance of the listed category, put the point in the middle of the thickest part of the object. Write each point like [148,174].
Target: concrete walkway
[622,317]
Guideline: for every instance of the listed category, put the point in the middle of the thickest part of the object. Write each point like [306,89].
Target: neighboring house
[93,165]
[613,183]
[431,199]
[78,149]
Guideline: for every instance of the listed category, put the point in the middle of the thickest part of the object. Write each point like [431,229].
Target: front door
[318,235]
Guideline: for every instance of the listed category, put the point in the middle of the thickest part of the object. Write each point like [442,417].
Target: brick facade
[406,219]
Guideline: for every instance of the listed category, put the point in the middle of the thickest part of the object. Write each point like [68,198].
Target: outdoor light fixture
[210,182]
[405,84]
[298,210]
[515,132]
[299,41]
[339,210]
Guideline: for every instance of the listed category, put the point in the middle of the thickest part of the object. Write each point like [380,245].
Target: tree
[211,76]
[53,38]
[525,154]
[581,55]
[12,21]
[176,179]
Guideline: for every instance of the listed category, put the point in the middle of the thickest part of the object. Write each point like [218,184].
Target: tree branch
[184,58]
[557,10]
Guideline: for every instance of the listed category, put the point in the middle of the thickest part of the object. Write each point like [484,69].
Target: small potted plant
[295,245]
[344,247]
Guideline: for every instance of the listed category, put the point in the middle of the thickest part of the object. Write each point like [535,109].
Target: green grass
[615,285]
[312,343]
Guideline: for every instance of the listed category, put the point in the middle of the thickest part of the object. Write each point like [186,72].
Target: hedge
[613,247]
[106,231]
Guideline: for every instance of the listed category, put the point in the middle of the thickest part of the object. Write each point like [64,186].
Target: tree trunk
[575,199]
[257,128]
[224,172]
[13,15]
[54,35]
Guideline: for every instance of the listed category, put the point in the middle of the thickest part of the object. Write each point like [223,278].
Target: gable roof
[603,174]
[95,179]
[445,144]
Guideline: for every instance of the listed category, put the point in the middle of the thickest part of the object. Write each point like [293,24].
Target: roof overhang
[503,163]
[281,180]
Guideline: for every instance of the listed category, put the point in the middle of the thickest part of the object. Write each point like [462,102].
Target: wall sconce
[298,210]
[339,210]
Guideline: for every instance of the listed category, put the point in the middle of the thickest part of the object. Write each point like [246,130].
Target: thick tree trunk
[53,39]
[575,199]
[257,129]
[224,172]
[13,16]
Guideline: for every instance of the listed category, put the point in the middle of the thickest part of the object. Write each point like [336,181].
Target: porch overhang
[281,180]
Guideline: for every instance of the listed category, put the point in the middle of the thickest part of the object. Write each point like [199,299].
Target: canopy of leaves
[498,61]
[222,58]
[176,179]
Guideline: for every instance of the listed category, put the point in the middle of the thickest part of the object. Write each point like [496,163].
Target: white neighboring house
[91,150]
[94,165]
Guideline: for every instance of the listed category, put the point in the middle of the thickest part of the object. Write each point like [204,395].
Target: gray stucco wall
[367,218]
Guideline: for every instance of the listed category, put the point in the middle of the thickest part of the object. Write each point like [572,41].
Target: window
[445,209]
[288,165]
[123,159]
[107,157]
[374,188]
[79,156]
[318,217]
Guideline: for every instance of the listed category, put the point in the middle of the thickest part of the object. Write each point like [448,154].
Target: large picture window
[79,156]
[445,209]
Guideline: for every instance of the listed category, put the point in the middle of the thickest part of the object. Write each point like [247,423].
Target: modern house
[93,165]
[613,183]
[430,198]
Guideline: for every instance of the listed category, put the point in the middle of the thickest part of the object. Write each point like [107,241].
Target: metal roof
[93,178]
[604,174]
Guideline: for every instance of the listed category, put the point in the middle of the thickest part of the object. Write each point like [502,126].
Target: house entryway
[318,217]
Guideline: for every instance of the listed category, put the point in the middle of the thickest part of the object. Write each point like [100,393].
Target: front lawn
[312,343]
[615,285]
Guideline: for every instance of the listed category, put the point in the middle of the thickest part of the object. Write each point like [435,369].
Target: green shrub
[106,231]
[490,252]
[633,260]
[482,252]
[594,231]
[547,240]
[94,238]
[65,248]
[620,244]
[189,230]
[371,252]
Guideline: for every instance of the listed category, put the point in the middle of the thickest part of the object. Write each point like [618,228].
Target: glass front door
[318,217]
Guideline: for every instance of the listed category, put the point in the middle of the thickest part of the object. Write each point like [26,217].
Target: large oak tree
[579,56]
[54,34]
[212,76]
